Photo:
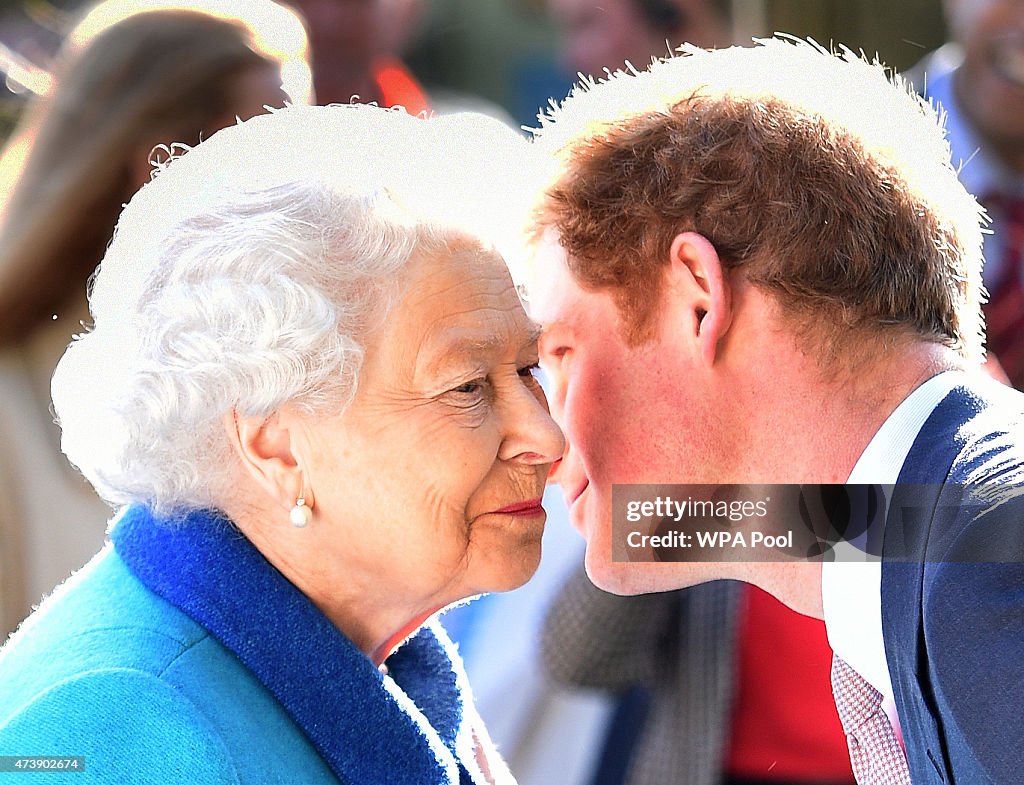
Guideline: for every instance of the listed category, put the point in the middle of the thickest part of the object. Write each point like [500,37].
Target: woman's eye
[474,387]
[530,370]
[470,396]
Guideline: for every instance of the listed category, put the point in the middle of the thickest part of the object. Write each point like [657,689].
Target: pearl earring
[300,515]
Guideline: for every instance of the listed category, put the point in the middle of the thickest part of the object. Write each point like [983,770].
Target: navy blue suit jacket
[953,590]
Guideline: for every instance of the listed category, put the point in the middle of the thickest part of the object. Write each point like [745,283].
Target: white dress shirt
[851,585]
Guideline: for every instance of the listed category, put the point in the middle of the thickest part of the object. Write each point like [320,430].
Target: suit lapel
[922,481]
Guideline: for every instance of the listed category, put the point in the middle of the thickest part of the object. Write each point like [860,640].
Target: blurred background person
[978,78]
[595,36]
[129,78]
[357,50]
[354,47]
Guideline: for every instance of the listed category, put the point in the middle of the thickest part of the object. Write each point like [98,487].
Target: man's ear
[698,280]
[265,448]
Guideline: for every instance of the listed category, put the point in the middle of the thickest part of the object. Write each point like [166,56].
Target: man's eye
[530,371]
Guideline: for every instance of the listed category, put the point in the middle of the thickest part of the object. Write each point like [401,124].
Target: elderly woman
[310,382]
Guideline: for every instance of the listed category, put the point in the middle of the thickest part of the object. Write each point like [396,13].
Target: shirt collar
[851,587]
[882,459]
[408,724]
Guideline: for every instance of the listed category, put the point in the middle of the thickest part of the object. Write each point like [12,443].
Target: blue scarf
[406,726]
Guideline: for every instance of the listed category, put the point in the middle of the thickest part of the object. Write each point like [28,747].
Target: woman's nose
[532,434]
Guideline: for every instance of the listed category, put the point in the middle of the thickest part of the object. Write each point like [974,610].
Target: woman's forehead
[457,307]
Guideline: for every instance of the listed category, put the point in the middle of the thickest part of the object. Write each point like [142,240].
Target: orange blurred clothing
[398,87]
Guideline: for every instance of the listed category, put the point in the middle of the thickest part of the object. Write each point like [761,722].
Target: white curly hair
[246,274]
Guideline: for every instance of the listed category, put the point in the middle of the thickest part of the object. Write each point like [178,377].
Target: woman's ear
[264,446]
[699,284]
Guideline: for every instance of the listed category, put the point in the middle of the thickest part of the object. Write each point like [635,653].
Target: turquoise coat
[180,655]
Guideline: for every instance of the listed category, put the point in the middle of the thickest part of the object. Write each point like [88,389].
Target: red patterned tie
[1004,313]
[876,754]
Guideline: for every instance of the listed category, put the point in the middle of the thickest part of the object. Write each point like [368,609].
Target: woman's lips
[529,507]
